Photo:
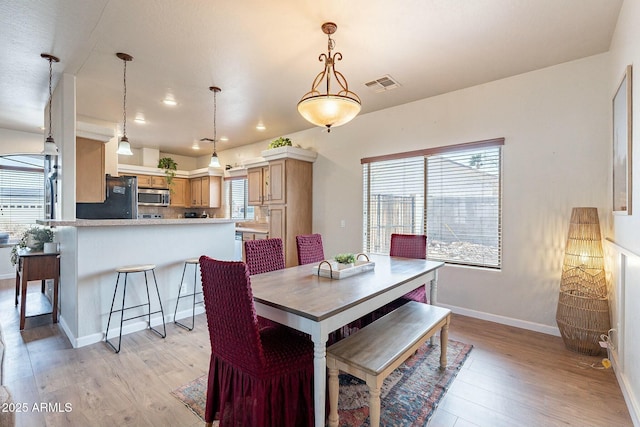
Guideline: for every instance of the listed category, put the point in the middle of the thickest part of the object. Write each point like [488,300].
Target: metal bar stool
[144,268]
[195,262]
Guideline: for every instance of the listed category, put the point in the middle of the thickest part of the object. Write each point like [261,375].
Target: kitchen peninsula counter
[127,222]
[91,250]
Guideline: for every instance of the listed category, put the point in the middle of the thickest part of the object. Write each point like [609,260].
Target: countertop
[250,229]
[133,222]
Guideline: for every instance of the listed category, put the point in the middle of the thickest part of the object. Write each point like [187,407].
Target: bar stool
[195,262]
[130,269]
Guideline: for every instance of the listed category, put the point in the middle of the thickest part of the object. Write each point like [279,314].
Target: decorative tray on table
[335,270]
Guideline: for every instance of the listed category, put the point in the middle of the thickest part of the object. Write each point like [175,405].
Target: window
[451,194]
[21,193]
[236,189]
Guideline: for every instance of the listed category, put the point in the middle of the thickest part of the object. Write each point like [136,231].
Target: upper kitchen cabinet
[206,192]
[152,181]
[180,193]
[257,185]
[90,171]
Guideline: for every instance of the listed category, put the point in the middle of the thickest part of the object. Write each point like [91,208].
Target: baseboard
[523,324]
[128,328]
[627,392]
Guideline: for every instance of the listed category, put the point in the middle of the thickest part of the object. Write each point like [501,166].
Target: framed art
[622,146]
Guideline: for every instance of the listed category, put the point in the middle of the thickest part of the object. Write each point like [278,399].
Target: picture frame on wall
[622,127]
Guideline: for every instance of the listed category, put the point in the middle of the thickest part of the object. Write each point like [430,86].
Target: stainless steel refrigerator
[121,200]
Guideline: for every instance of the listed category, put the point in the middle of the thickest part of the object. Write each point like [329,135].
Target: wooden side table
[34,265]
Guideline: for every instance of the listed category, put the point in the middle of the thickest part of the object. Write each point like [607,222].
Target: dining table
[317,305]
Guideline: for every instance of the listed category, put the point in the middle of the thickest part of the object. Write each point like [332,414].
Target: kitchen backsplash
[169,212]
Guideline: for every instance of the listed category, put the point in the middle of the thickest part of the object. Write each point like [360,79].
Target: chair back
[309,248]
[264,255]
[409,245]
[231,315]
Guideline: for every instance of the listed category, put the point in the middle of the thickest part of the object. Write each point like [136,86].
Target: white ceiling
[264,56]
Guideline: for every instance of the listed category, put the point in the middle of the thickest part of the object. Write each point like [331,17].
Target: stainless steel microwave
[153,197]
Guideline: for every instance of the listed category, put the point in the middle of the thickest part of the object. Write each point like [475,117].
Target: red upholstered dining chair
[309,248]
[257,377]
[264,255]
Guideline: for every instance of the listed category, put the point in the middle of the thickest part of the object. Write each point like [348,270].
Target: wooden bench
[373,352]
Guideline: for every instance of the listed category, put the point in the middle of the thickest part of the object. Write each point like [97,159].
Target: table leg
[319,377]
[23,294]
[444,339]
[333,394]
[54,305]
[17,284]
[433,297]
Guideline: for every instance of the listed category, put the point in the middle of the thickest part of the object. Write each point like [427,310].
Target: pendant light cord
[215,108]
[124,103]
[50,95]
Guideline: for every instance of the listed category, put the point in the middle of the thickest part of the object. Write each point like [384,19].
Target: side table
[36,265]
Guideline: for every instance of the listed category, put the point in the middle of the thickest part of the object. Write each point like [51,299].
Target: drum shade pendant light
[123,146]
[329,109]
[215,162]
[50,148]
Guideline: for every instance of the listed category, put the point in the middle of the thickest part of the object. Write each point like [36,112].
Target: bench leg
[374,406]
[444,339]
[333,394]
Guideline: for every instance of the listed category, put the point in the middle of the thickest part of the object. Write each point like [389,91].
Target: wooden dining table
[299,298]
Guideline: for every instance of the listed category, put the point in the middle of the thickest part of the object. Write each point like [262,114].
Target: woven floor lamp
[583,306]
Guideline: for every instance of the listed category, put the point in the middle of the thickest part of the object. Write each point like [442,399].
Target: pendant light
[50,148]
[215,162]
[329,109]
[123,146]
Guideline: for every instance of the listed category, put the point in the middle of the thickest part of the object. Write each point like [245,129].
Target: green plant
[34,237]
[345,258]
[280,142]
[170,167]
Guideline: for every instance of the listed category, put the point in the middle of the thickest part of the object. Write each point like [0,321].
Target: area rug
[409,396]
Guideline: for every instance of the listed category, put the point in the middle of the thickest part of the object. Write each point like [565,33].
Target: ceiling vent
[382,84]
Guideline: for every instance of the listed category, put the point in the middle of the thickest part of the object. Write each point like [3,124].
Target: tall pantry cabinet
[286,185]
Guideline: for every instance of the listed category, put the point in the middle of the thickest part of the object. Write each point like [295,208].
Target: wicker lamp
[583,306]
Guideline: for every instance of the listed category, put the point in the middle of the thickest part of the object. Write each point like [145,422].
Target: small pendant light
[215,162]
[123,146]
[50,148]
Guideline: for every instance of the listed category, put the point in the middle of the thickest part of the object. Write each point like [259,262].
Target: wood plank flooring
[512,378]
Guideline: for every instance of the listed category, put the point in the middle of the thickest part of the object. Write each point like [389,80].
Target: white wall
[624,231]
[555,123]
[16,142]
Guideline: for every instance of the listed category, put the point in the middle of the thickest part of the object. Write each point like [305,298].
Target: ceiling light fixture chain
[215,162]
[49,144]
[123,146]
[329,109]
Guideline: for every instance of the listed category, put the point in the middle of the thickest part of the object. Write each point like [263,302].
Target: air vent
[382,84]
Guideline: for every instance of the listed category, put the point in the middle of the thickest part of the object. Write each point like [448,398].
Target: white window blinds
[21,198]
[462,189]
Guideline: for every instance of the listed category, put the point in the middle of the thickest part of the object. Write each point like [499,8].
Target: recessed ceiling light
[140,119]
[261,126]
[224,139]
[195,146]
[169,101]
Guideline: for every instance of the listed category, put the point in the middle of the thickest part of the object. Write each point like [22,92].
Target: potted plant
[280,142]
[345,260]
[33,238]
[170,167]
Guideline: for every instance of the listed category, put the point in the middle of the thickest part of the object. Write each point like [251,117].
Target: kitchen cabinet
[206,192]
[152,181]
[180,193]
[90,174]
[290,203]
[257,186]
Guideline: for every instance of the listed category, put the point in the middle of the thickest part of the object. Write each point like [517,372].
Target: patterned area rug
[409,395]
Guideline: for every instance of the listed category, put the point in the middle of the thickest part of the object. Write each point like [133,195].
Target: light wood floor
[512,377]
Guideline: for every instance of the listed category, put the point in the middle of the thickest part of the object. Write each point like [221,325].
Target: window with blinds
[21,194]
[451,194]
[238,203]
